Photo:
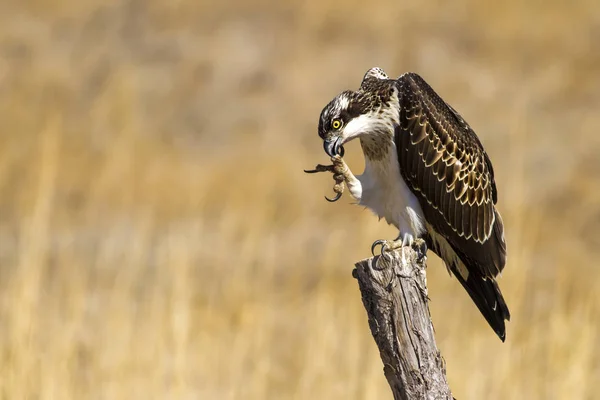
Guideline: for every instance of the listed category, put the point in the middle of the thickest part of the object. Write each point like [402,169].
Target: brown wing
[446,167]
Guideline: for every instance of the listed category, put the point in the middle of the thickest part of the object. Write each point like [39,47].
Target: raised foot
[338,168]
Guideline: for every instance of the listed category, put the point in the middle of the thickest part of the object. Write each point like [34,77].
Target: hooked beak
[333,146]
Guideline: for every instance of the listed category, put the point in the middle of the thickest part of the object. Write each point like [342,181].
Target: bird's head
[355,113]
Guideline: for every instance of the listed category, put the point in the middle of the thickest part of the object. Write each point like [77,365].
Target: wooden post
[395,297]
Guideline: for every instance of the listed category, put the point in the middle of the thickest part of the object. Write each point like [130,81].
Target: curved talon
[311,171]
[375,244]
[336,198]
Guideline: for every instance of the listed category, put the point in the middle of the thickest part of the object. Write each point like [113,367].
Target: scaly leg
[342,171]
[341,174]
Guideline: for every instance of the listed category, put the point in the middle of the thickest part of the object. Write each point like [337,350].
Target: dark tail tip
[488,298]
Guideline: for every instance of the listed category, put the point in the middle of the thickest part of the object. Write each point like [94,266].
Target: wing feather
[466,221]
[446,167]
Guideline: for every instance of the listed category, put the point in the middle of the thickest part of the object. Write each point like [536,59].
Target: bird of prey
[426,173]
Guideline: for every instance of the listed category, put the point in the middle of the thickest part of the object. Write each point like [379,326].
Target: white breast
[385,192]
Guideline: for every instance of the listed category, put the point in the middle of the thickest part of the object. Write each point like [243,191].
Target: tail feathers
[486,294]
[484,291]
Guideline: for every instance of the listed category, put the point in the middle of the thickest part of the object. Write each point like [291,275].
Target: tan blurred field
[158,238]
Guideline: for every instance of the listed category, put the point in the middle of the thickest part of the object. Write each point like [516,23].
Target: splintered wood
[395,297]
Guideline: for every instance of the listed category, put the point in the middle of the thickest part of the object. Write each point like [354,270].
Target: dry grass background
[158,238]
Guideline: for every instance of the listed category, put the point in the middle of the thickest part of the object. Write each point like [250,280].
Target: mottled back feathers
[445,165]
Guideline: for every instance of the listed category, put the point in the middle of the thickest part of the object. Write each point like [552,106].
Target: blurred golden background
[158,238]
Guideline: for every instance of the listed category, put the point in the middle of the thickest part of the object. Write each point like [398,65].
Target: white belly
[385,192]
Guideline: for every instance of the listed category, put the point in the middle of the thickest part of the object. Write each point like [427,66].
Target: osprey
[427,174]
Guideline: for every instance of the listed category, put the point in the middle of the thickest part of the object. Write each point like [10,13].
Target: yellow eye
[336,124]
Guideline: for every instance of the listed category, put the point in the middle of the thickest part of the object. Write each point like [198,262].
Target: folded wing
[445,165]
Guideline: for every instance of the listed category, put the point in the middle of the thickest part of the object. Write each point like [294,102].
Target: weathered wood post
[395,297]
